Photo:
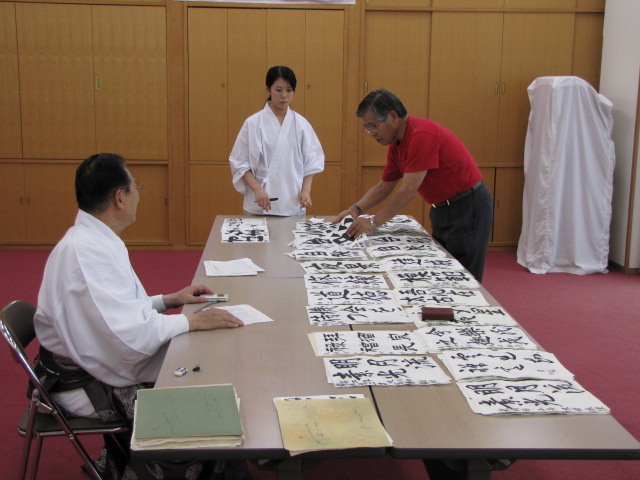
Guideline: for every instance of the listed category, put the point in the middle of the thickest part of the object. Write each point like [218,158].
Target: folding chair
[42,417]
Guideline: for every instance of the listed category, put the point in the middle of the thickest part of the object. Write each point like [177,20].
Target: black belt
[459,196]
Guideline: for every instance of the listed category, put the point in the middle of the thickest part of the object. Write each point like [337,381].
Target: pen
[204,306]
[271,200]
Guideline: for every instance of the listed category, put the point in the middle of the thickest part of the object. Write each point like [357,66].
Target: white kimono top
[92,308]
[280,156]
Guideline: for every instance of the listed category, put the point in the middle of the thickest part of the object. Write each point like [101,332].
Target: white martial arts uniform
[93,309]
[280,156]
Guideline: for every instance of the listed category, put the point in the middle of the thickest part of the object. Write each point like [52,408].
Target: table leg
[289,469]
[464,469]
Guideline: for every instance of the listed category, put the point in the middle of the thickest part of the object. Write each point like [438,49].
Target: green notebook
[199,411]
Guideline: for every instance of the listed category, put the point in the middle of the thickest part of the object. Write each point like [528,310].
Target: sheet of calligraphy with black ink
[339,266]
[345,280]
[408,263]
[434,278]
[348,296]
[373,241]
[333,315]
[367,343]
[466,315]
[439,297]
[384,371]
[441,338]
[245,230]
[319,253]
[500,397]
[483,364]
[414,250]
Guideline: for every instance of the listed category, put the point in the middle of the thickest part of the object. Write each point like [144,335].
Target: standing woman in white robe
[277,153]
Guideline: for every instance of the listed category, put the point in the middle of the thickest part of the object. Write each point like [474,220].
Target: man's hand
[349,211]
[360,226]
[213,318]
[186,295]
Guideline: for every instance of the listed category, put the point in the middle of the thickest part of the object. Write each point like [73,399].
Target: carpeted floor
[591,323]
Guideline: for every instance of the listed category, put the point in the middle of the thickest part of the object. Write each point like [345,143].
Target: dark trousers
[464,228]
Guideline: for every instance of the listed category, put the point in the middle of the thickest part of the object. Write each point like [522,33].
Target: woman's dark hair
[381,102]
[97,178]
[283,72]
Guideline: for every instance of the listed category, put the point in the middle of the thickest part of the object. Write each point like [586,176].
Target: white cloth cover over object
[569,159]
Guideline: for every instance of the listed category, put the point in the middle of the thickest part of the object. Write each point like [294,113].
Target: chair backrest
[16,325]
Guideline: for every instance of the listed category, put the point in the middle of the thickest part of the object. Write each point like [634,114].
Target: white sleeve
[239,159]
[312,153]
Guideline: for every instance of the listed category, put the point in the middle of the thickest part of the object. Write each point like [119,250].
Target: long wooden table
[275,359]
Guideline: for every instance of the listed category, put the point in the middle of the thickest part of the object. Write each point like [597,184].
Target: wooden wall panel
[587,47]
[247,67]
[208,85]
[130,51]
[51,201]
[550,37]
[400,65]
[466,56]
[323,79]
[12,203]
[509,186]
[211,193]
[152,223]
[56,80]
[325,193]
[10,131]
[282,26]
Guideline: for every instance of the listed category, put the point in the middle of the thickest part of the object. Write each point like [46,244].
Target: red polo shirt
[426,145]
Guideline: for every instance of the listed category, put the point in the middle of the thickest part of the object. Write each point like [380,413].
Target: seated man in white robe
[102,337]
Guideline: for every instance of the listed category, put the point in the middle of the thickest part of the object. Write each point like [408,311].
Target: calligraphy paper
[367,343]
[408,263]
[464,315]
[311,243]
[438,297]
[231,268]
[327,254]
[500,397]
[400,240]
[440,338]
[415,250]
[244,230]
[345,280]
[328,315]
[484,364]
[248,314]
[348,296]
[341,266]
[311,424]
[384,371]
[434,279]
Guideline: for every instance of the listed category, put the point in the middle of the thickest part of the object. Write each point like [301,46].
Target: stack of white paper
[231,268]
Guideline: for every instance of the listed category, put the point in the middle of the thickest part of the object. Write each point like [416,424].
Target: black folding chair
[43,418]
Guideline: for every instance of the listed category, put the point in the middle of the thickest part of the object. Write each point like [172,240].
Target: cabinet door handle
[496,91]
[366,87]
[98,83]
[504,89]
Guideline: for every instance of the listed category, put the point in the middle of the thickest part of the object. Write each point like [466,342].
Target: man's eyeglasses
[371,127]
[137,185]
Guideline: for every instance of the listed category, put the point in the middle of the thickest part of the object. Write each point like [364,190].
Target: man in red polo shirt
[433,162]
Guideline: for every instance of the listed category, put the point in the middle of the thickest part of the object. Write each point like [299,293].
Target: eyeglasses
[137,185]
[372,127]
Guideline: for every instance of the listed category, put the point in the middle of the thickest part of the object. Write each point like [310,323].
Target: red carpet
[591,323]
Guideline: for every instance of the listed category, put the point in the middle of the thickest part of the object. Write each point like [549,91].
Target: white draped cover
[569,159]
